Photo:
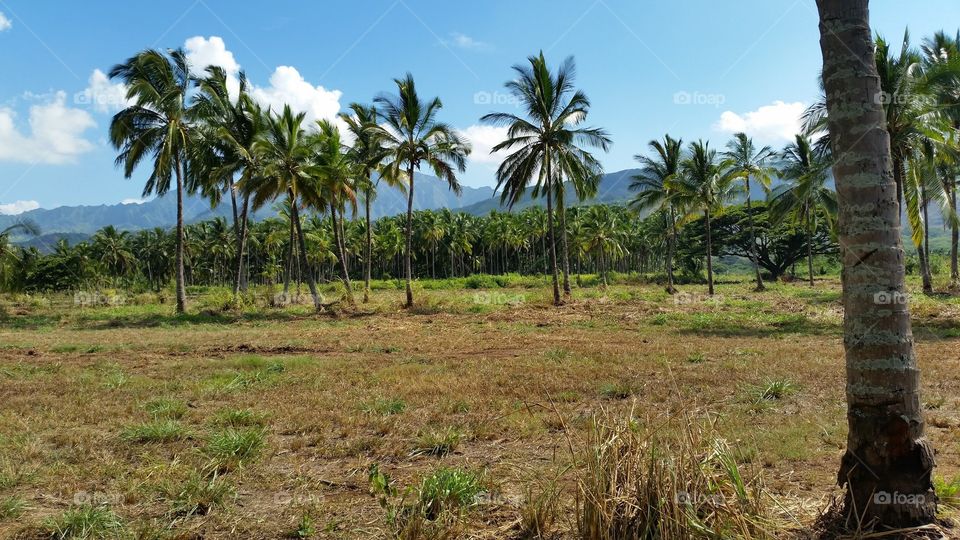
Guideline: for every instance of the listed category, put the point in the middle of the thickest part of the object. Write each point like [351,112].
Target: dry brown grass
[520,385]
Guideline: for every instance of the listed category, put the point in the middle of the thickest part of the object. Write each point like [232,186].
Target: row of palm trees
[200,138]
[603,238]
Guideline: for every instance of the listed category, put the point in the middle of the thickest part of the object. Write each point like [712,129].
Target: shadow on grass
[742,325]
[105,321]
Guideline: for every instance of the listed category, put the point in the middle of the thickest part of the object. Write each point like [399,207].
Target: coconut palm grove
[332,330]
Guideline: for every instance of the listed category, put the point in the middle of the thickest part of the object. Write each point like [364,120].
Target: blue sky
[693,68]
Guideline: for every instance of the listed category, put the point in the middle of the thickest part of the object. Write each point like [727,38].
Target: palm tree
[157,126]
[10,254]
[746,162]
[287,159]
[113,250]
[654,186]
[336,172]
[602,235]
[886,448]
[805,196]
[368,153]
[414,137]
[546,145]
[704,185]
[228,128]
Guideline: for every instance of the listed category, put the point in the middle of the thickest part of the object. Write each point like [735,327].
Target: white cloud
[287,86]
[134,201]
[483,139]
[774,123]
[56,133]
[464,41]
[18,207]
[203,52]
[103,95]
[5,23]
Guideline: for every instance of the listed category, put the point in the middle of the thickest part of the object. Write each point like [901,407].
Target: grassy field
[481,410]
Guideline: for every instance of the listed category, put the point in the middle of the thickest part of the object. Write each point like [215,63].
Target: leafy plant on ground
[432,509]
[773,390]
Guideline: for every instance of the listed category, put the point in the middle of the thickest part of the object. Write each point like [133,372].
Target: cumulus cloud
[483,139]
[464,41]
[18,207]
[773,123]
[5,23]
[203,52]
[134,201]
[287,86]
[56,133]
[105,96]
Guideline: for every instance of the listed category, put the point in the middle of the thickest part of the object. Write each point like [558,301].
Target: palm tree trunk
[561,211]
[954,238]
[368,263]
[888,463]
[809,245]
[407,264]
[928,274]
[753,241]
[552,241]
[241,241]
[181,239]
[341,254]
[706,215]
[311,283]
[671,245]
[291,241]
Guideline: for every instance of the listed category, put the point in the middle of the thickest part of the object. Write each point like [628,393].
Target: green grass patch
[85,522]
[157,431]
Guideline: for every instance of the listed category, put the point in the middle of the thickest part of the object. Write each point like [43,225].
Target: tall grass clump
[678,481]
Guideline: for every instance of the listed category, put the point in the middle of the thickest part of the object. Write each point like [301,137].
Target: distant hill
[429,193]
[613,188]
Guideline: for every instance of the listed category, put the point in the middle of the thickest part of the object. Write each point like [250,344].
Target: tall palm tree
[546,145]
[603,235]
[805,196]
[287,159]
[413,138]
[157,126]
[367,152]
[335,171]
[228,127]
[10,254]
[749,162]
[654,191]
[705,184]
[886,449]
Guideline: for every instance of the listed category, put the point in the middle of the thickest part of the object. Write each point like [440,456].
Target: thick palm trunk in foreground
[407,264]
[562,212]
[553,249]
[181,240]
[954,239]
[887,465]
